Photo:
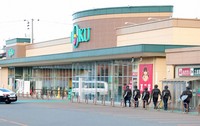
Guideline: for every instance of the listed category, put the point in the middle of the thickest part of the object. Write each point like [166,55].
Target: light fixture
[133,59]
[140,59]
[131,23]
[152,18]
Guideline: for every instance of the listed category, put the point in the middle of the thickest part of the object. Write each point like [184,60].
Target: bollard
[172,106]
[72,98]
[169,105]
[78,99]
[122,103]
[48,95]
[85,98]
[94,100]
[104,103]
[36,95]
[110,101]
[27,95]
[41,95]
[199,109]
[113,102]
[102,100]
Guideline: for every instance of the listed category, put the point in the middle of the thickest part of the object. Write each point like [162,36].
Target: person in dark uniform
[136,96]
[186,102]
[145,97]
[155,93]
[127,96]
[166,94]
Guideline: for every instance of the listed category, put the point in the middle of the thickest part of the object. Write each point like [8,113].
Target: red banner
[145,76]
[184,72]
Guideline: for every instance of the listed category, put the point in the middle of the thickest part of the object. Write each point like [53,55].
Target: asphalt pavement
[38,112]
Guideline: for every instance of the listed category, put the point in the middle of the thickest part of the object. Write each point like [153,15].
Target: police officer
[155,94]
[127,96]
[145,97]
[136,96]
[166,94]
[186,102]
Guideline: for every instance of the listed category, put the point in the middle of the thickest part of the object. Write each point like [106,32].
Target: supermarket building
[109,48]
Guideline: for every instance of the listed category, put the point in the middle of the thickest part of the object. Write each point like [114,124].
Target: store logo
[11,52]
[79,35]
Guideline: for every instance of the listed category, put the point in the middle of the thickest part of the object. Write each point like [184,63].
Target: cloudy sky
[55,16]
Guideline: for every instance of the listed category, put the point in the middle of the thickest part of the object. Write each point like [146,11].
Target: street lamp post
[32,28]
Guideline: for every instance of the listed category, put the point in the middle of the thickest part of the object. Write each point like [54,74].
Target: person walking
[155,93]
[145,97]
[166,95]
[186,96]
[136,96]
[127,96]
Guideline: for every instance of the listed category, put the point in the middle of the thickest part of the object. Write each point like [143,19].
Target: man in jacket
[145,97]
[188,95]
[155,93]
[127,96]
[166,94]
[136,96]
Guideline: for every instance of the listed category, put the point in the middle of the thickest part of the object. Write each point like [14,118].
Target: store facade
[183,70]
[101,57]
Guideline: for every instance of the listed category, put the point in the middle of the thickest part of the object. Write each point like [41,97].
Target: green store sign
[196,71]
[11,52]
[79,35]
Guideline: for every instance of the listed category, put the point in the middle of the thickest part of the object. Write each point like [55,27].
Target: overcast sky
[55,16]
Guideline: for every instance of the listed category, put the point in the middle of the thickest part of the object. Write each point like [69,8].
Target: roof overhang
[181,79]
[142,50]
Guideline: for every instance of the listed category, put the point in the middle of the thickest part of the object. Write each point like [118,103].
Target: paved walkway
[90,104]
[137,116]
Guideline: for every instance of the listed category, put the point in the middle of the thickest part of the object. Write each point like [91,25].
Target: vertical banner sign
[145,76]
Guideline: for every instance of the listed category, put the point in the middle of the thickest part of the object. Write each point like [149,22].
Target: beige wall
[160,71]
[4,77]
[165,31]
[175,35]
[160,36]
[186,36]
[170,72]
[183,56]
[63,48]
[62,45]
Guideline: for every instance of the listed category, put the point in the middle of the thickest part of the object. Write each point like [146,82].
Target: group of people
[147,96]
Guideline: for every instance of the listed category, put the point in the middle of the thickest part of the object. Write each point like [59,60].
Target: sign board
[79,35]
[145,76]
